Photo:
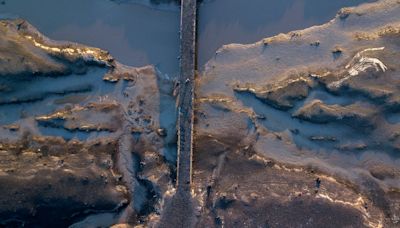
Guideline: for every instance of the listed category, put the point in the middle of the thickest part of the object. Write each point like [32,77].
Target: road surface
[179,210]
[186,93]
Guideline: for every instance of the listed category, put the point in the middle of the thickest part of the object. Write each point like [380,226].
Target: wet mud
[83,136]
[300,121]
[298,129]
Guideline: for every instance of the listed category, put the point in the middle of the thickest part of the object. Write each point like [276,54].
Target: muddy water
[135,34]
[247,21]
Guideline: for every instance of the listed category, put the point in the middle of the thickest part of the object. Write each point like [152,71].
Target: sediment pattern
[297,129]
[83,138]
[303,120]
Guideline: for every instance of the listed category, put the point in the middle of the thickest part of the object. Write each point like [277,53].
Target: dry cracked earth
[297,130]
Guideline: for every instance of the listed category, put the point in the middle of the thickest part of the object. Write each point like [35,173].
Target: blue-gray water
[135,34]
[247,21]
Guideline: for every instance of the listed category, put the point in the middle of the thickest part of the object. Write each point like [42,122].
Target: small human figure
[318,183]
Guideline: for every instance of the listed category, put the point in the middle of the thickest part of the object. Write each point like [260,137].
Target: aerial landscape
[213,113]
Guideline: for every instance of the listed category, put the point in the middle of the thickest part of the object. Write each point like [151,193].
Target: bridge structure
[186,93]
[179,210]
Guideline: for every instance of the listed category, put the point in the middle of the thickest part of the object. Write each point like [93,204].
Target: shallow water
[51,93]
[138,35]
[135,34]
[247,21]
